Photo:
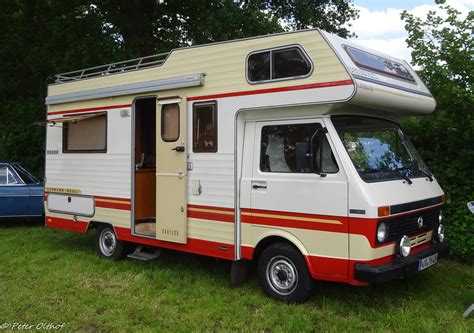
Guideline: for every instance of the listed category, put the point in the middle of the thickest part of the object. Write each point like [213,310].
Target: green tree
[43,37]
[40,38]
[146,27]
[442,46]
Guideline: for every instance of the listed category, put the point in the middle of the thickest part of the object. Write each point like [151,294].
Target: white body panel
[71,204]
[106,174]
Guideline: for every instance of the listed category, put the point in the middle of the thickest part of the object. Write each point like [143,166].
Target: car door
[298,185]
[14,195]
[34,187]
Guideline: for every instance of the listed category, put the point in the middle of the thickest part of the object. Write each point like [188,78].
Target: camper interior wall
[144,201]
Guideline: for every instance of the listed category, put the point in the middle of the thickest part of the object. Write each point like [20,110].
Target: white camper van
[282,149]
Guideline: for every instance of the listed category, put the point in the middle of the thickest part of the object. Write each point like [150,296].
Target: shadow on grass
[169,259]
[21,222]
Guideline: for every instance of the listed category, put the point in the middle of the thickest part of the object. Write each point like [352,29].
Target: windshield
[379,149]
[24,175]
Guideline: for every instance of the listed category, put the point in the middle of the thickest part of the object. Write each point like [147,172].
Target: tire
[283,273]
[108,246]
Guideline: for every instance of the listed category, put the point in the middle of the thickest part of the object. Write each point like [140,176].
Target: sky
[379,25]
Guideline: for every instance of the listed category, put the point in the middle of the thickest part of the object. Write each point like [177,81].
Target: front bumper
[399,267]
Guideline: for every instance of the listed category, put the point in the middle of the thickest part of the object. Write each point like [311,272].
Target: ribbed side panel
[215,172]
[98,174]
[221,232]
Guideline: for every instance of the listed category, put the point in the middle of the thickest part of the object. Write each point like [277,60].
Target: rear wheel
[108,246]
[283,273]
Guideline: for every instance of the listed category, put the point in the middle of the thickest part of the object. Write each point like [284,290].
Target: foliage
[43,37]
[442,49]
[40,38]
[55,276]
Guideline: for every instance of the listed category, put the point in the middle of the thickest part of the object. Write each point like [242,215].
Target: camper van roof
[144,62]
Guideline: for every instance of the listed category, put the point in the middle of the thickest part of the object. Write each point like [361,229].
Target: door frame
[132,164]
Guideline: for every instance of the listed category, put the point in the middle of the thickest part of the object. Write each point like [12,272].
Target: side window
[170,122]
[258,65]
[3,175]
[379,64]
[289,62]
[205,127]
[275,64]
[87,135]
[11,179]
[6,176]
[296,148]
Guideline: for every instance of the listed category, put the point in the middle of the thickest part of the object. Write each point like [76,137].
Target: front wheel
[283,273]
[108,246]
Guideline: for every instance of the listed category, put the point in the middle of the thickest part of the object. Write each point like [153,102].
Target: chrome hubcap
[107,242]
[282,275]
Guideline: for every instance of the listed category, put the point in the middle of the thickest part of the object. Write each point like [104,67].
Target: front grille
[399,226]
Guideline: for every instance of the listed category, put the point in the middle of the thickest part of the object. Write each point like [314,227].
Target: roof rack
[113,68]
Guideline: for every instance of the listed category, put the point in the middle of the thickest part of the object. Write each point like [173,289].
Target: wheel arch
[275,236]
[97,224]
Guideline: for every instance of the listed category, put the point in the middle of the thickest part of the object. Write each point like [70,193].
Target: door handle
[256,187]
[178,149]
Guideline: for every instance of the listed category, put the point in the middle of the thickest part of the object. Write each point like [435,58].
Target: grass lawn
[53,276]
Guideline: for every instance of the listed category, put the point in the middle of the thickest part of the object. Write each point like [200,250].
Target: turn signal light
[384,211]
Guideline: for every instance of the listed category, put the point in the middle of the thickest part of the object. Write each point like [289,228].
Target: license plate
[427,262]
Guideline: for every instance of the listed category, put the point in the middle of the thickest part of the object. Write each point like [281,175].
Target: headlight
[440,217]
[441,233]
[382,232]
[405,246]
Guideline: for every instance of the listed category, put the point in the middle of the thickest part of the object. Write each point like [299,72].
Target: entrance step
[141,253]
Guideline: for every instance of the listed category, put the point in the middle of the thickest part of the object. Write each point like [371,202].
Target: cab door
[298,185]
[171,171]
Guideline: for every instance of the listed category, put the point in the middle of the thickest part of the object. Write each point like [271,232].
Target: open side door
[171,170]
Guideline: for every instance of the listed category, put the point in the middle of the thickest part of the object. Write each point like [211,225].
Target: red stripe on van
[125,200]
[113,205]
[291,220]
[66,224]
[274,90]
[220,214]
[196,246]
[91,109]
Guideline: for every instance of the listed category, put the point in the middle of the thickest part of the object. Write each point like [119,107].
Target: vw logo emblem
[420,222]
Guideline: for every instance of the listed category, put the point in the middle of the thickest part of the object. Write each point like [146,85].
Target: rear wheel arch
[99,224]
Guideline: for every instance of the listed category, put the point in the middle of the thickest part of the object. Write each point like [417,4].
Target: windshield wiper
[397,170]
[405,176]
[429,176]
[407,179]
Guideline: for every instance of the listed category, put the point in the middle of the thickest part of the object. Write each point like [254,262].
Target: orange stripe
[274,90]
[91,109]
[225,209]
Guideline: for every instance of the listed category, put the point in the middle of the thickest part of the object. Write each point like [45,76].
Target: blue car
[21,194]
